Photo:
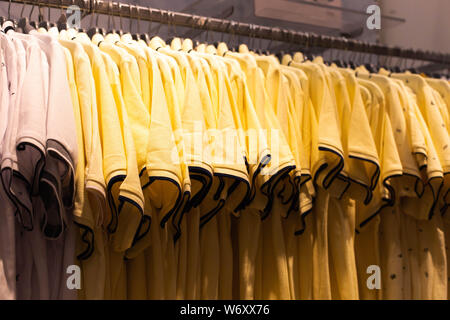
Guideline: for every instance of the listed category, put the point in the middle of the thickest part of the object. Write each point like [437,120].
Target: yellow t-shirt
[133,48]
[341,215]
[327,155]
[390,165]
[408,187]
[306,120]
[131,199]
[193,120]
[411,184]
[161,71]
[250,131]
[230,188]
[367,244]
[364,163]
[442,96]
[277,118]
[425,237]
[228,162]
[90,243]
[95,181]
[327,161]
[268,91]
[114,159]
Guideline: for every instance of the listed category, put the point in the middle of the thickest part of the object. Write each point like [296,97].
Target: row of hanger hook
[254,32]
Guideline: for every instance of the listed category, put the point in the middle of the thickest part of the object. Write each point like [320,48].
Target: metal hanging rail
[303,39]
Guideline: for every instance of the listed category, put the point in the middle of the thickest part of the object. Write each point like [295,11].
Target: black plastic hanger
[334,58]
[351,62]
[370,67]
[280,55]
[110,17]
[24,22]
[62,22]
[33,24]
[120,31]
[130,22]
[338,63]
[9,23]
[94,30]
[169,40]
[136,36]
[25,25]
[113,31]
[45,23]
[145,37]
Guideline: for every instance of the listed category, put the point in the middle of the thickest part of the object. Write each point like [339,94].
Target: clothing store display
[175,171]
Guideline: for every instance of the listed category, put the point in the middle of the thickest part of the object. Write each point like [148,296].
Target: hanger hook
[9,10]
[113,17]
[402,61]
[150,19]
[207,30]
[23,8]
[49,13]
[40,15]
[91,23]
[120,15]
[292,44]
[138,27]
[31,12]
[130,6]
[252,36]
[109,15]
[174,27]
[160,23]
[260,38]
[255,35]
[238,38]
[233,24]
[193,21]
[413,65]
[223,32]
[271,40]
[169,30]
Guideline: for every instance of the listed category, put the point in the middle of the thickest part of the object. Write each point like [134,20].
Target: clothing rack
[307,40]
